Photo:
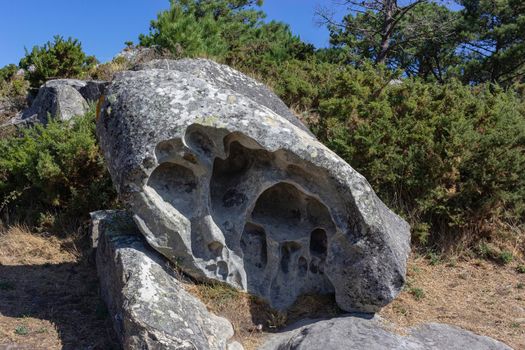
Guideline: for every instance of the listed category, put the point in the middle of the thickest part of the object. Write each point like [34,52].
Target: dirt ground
[49,295]
[49,298]
[483,297]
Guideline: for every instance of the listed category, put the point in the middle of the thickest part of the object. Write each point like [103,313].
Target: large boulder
[224,78]
[148,305]
[229,185]
[62,99]
[355,333]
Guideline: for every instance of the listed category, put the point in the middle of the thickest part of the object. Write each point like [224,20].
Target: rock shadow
[66,294]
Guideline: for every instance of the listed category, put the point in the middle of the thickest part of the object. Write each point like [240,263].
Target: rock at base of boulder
[351,333]
[148,306]
[226,182]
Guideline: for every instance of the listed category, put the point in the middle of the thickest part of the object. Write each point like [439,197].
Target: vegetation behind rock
[52,173]
[58,59]
[445,149]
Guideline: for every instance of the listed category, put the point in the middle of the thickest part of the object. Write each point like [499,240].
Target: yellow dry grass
[477,295]
[251,317]
[49,298]
[18,246]
[48,294]
[247,314]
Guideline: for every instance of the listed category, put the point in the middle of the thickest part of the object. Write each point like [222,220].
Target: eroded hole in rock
[288,252]
[168,150]
[280,206]
[237,163]
[215,248]
[254,246]
[298,228]
[200,142]
[318,243]
[302,266]
[318,214]
[176,185]
[222,269]
[165,147]
[230,181]
[314,267]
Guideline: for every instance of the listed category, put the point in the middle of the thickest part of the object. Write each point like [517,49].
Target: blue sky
[104,26]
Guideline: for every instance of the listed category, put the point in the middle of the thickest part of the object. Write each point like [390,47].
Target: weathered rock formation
[371,334]
[62,99]
[223,180]
[149,307]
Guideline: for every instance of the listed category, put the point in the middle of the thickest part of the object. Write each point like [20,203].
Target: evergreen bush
[450,158]
[54,169]
[58,59]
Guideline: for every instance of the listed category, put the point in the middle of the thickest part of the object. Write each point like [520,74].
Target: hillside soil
[481,296]
[49,294]
[49,298]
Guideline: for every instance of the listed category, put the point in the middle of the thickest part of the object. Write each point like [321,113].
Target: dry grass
[49,298]
[18,246]
[248,315]
[251,317]
[477,295]
[49,294]
[106,71]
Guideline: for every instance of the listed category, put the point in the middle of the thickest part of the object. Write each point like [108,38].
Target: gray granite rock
[354,333]
[91,90]
[63,99]
[232,187]
[148,305]
[223,77]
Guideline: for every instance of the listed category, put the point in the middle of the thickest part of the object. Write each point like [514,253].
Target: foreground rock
[62,99]
[148,306]
[354,333]
[225,181]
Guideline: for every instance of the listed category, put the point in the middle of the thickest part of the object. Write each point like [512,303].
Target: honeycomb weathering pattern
[223,180]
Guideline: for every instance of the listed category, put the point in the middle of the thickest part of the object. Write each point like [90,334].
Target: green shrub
[21,330]
[7,72]
[417,293]
[506,257]
[13,92]
[55,169]
[13,95]
[58,59]
[447,157]
[435,259]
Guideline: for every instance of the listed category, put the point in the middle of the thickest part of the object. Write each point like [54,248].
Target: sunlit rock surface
[224,181]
